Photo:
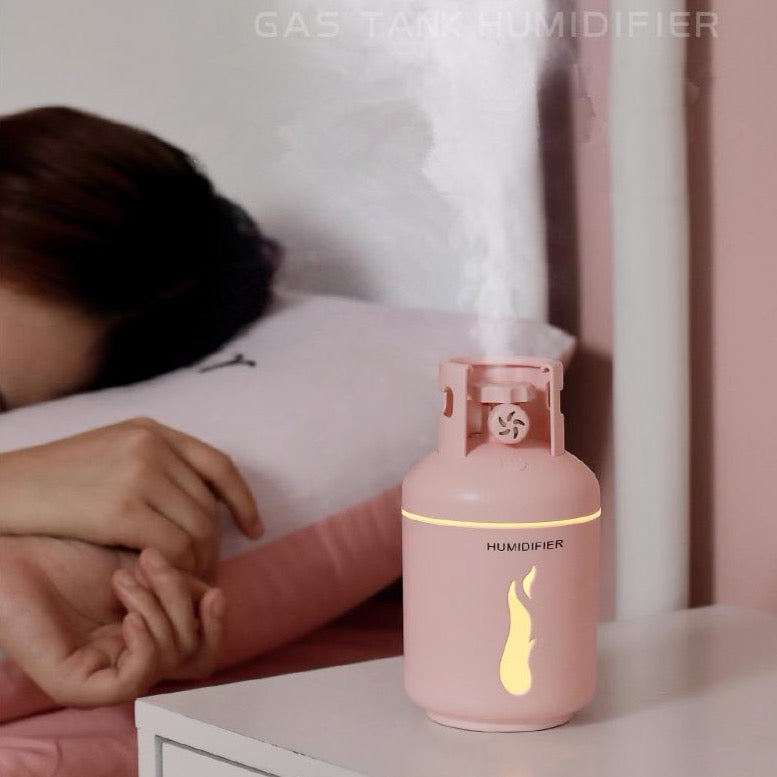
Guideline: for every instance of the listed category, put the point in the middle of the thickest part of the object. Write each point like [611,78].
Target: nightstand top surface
[690,693]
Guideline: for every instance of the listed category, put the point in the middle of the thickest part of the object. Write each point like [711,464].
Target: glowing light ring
[499,525]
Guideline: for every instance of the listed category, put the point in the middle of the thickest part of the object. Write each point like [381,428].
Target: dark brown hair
[126,227]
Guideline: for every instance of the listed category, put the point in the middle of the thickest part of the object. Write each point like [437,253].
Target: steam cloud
[475,80]
[478,87]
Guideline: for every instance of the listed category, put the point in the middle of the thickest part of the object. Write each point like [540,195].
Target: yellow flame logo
[514,669]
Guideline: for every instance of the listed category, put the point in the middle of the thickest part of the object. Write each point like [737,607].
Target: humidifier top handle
[463,399]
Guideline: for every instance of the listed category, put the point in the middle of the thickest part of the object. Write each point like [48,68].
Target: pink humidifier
[500,555]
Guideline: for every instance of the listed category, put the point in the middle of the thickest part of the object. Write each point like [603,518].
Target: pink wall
[732,116]
[588,392]
[743,291]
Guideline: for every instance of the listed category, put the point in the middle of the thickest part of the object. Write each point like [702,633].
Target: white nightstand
[691,694]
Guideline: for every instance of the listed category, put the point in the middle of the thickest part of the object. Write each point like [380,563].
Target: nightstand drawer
[180,761]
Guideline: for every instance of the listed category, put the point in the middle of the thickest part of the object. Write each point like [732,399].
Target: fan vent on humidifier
[508,423]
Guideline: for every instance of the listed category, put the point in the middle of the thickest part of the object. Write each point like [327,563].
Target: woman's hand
[137,484]
[91,626]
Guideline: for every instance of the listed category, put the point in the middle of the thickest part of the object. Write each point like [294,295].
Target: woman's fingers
[139,659]
[96,678]
[174,593]
[173,630]
[184,615]
[167,498]
[137,666]
[147,527]
[189,481]
[137,598]
[212,608]
[192,607]
[219,472]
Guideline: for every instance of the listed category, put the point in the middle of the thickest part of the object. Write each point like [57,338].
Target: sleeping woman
[118,262]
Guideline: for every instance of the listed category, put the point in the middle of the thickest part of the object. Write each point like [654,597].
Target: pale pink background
[741,424]
[732,116]
[587,398]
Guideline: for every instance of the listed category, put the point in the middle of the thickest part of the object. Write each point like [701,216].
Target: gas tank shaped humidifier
[500,541]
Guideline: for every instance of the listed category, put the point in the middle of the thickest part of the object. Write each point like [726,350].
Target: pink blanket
[101,742]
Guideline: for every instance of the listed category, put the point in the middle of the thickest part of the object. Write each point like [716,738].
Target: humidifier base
[477,725]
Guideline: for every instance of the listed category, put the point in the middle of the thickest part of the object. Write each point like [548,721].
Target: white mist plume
[472,68]
[476,66]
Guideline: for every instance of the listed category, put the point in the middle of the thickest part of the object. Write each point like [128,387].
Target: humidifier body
[500,536]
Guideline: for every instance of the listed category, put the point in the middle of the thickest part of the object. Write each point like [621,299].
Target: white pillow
[342,400]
